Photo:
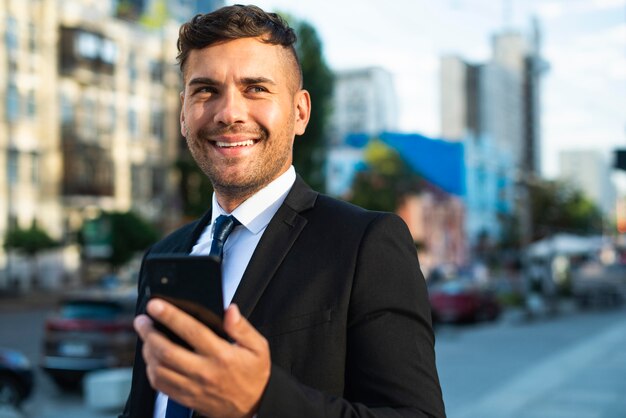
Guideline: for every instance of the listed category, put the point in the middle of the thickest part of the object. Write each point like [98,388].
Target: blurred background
[495,128]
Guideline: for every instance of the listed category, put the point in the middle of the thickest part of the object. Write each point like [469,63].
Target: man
[329,313]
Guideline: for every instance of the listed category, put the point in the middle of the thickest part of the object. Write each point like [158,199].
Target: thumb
[242,331]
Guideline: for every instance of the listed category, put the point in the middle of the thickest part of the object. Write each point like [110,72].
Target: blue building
[474,170]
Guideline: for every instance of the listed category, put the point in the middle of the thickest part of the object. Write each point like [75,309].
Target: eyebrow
[206,81]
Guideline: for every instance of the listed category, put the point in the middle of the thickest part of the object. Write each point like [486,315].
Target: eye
[257,89]
[205,90]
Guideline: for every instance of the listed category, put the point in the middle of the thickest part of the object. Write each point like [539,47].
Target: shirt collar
[257,211]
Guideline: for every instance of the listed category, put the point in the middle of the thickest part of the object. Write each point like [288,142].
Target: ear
[302,102]
[183,127]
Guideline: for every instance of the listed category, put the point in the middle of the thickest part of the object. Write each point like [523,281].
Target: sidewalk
[585,381]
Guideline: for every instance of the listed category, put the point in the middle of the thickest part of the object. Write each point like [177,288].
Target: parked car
[598,285]
[89,331]
[462,300]
[16,378]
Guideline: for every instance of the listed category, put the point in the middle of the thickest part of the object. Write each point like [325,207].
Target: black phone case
[193,284]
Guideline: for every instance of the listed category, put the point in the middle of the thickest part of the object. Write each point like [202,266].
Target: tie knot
[224,225]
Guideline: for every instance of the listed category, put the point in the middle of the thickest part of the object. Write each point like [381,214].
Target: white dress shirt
[254,215]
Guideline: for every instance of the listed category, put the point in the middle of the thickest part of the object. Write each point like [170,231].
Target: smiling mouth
[247,143]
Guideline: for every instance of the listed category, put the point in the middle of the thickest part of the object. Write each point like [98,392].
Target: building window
[87,45]
[133,123]
[67,110]
[32,37]
[11,37]
[156,122]
[139,182]
[89,129]
[13,167]
[31,104]
[132,69]
[95,47]
[108,51]
[156,71]
[12,103]
[34,168]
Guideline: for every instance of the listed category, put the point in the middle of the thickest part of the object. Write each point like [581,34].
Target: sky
[584,43]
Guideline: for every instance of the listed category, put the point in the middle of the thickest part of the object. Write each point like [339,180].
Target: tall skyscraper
[499,99]
[364,102]
[496,106]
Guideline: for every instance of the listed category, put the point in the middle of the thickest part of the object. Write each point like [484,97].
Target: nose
[231,108]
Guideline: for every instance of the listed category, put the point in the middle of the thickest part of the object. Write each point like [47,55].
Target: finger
[159,350]
[195,333]
[242,331]
[143,326]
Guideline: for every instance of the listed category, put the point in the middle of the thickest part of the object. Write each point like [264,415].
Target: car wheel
[10,393]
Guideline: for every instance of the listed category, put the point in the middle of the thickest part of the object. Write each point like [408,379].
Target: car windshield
[90,310]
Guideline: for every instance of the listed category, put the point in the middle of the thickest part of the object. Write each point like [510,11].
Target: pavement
[584,381]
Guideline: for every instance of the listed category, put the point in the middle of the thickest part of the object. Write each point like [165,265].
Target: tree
[310,149]
[122,234]
[29,241]
[385,181]
[195,187]
[555,207]
[559,207]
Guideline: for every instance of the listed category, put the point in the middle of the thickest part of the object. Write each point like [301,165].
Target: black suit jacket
[338,293]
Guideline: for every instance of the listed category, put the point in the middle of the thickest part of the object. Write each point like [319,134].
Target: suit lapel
[196,232]
[281,233]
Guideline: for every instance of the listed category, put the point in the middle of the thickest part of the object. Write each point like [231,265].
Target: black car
[90,330]
[16,377]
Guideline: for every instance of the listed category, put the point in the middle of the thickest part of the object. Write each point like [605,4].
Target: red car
[89,331]
[462,300]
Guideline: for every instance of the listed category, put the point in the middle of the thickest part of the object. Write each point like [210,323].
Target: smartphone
[191,283]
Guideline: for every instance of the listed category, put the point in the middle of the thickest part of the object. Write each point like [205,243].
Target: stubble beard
[259,172]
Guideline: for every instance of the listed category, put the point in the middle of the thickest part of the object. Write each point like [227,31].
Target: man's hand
[219,378]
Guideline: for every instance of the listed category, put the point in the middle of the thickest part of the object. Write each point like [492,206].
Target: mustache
[208,133]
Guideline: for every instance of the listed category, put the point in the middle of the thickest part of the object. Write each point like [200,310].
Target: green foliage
[387,179]
[310,149]
[28,241]
[156,16]
[558,207]
[129,234]
[123,233]
[126,9]
[195,188]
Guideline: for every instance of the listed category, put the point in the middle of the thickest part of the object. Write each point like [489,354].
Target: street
[570,365]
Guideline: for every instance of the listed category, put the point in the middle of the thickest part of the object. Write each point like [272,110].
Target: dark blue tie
[224,225]
[176,410]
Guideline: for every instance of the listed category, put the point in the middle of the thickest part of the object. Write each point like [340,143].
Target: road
[569,366]
[572,365]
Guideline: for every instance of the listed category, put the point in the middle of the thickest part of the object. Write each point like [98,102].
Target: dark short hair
[235,22]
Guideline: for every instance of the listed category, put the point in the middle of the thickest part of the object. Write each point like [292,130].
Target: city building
[88,120]
[435,215]
[494,108]
[364,102]
[590,172]
[499,99]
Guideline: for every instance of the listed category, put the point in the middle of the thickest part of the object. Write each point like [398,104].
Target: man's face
[241,108]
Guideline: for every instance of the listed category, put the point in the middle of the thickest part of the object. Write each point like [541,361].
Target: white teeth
[234,144]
